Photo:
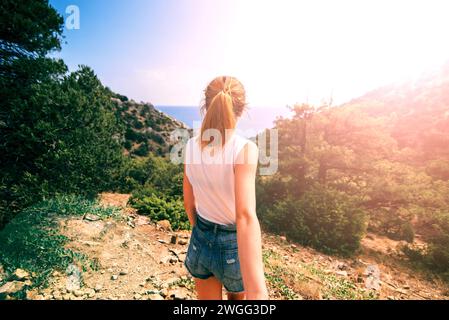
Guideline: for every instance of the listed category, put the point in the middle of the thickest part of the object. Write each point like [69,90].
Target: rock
[161,241]
[123,272]
[114,277]
[137,296]
[372,273]
[31,294]
[182,241]
[155,296]
[174,239]
[78,293]
[182,257]
[12,287]
[98,288]
[165,259]
[90,292]
[173,259]
[294,246]
[56,273]
[74,280]
[21,274]
[91,217]
[57,295]
[283,238]
[131,224]
[178,295]
[141,220]
[164,292]
[341,273]
[171,281]
[164,225]
[341,266]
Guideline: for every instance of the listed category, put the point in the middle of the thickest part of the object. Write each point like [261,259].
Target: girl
[219,197]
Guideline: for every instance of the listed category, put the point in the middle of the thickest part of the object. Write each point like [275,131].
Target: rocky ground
[134,258]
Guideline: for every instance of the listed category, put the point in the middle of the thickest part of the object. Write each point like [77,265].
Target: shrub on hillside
[325,219]
[436,256]
[162,208]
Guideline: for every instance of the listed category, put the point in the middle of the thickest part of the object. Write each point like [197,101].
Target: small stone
[90,293]
[174,239]
[164,292]
[137,296]
[341,273]
[123,272]
[21,274]
[114,277]
[155,296]
[12,287]
[57,295]
[78,293]
[294,246]
[98,288]
[91,217]
[283,238]
[182,241]
[178,295]
[164,225]
[56,273]
[161,241]
[173,259]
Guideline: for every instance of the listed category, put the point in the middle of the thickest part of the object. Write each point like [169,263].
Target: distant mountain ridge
[146,128]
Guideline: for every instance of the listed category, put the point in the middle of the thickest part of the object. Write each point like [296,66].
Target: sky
[283,51]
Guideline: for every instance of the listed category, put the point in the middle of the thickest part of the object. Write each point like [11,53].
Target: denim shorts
[213,252]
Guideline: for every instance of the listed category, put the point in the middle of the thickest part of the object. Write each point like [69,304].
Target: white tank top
[212,178]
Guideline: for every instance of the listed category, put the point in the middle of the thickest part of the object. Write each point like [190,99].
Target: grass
[309,281]
[31,241]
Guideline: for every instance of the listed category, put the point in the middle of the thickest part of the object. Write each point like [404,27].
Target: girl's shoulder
[245,150]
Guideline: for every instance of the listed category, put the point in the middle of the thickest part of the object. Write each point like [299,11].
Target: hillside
[147,129]
[418,110]
[135,258]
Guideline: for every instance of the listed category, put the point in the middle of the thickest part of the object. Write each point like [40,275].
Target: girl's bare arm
[248,228]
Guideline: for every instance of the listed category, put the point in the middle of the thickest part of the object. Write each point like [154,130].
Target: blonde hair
[224,103]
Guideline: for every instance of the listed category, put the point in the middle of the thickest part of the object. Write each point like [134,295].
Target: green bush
[162,208]
[325,219]
[436,256]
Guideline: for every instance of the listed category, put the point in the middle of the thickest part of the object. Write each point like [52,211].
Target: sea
[253,120]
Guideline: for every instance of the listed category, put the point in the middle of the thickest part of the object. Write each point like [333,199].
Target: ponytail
[219,116]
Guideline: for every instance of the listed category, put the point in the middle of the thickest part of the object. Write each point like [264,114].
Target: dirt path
[135,259]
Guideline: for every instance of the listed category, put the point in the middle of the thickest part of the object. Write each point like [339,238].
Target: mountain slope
[136,258]
[147,129]
[418,111]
